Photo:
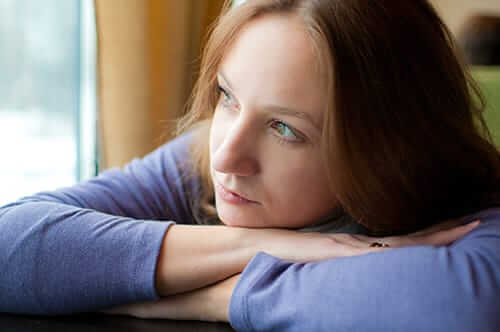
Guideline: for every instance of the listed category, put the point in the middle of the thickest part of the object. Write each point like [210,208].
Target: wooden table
[99,322]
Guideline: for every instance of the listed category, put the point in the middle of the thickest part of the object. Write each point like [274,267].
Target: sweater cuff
[257,269]
[145,263]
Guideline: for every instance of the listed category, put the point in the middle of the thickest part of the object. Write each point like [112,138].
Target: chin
[232,221]
[235,217]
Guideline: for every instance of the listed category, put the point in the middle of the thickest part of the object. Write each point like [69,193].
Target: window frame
[87,163]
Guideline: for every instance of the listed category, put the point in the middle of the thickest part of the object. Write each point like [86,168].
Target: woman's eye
[285,132]
[227,99]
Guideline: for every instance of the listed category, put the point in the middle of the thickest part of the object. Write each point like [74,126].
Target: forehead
[273,59]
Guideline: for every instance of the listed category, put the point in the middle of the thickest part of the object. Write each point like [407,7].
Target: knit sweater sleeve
[420,288]
[95,244]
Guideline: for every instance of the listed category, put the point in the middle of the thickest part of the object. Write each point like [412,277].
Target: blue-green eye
[285,131]
[227,99]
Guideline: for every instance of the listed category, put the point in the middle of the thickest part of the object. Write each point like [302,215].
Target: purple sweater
[96,244]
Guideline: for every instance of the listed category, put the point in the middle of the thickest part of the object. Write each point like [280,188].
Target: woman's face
[266,158]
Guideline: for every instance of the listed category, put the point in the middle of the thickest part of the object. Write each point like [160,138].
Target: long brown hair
[404,137]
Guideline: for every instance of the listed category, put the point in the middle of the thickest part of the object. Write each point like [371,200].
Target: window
[47,95]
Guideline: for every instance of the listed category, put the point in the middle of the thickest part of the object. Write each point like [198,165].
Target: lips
[231,196]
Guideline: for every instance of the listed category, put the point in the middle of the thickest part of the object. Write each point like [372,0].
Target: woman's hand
[440,234]
[315,246]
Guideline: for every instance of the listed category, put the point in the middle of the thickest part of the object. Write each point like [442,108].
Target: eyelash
[280,139]
[224,94]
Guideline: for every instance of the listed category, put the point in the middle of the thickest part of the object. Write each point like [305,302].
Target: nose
[236,153]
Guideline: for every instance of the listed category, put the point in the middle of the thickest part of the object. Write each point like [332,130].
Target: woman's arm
[59,259]
[212,302]
[196,256]
[94,244]
[425,288]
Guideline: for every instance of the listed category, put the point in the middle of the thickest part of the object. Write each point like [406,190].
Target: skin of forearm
[192,257]
[210,303]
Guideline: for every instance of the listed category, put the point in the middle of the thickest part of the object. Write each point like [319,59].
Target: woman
[309,115]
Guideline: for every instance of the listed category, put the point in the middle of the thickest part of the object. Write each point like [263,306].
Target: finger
[450,223]
[447,236]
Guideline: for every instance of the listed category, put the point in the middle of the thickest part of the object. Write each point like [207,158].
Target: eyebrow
[280,109]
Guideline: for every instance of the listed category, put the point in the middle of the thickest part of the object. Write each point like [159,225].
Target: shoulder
[167,178]
[172,160]
[177,148]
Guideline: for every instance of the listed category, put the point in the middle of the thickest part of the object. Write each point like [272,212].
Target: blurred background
[87,85]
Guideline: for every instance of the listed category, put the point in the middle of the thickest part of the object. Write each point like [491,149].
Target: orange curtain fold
[148,51]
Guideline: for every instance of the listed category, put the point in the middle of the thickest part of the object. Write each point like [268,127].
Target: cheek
[294,168]
[299,191]
[296,180]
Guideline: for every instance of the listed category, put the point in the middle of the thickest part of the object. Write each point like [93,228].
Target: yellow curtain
[147,53]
